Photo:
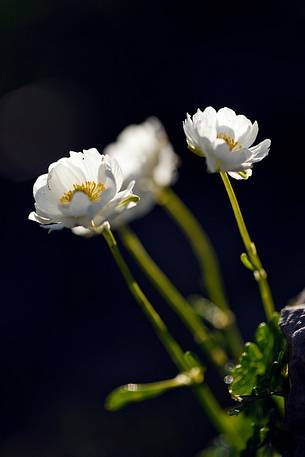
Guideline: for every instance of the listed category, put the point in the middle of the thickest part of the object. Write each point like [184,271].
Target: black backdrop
[73,74]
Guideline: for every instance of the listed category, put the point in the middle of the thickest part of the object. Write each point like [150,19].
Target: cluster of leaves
[261,370]
[259,383]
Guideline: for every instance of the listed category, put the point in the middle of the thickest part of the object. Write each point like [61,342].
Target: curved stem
[159,326]
[213,410]
[259,272]
[174,298]
[207,260]
[200,244]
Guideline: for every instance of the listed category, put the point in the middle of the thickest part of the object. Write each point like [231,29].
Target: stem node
[260,274]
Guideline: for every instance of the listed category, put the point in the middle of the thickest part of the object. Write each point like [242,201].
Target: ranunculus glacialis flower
[225,139]
[145,155]
[81,190]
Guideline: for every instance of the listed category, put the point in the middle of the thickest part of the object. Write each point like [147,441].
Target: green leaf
[257,440]
[261,367]
[246,261]
[259,382]
[245,373]
[132,393]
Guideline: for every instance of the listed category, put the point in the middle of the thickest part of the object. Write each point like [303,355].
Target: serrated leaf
[260,367]
[259,379]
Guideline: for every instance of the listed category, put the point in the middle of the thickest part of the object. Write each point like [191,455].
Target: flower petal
[191,134]
[110,174]
[116,171]
[62,177]
[46,202]
[48,223]
[53,227]
[212,163]
[241,175]
[260,151]
[120,196]
[225,117]
[225,130]
[205,146]
[230,160]
[88,161]
[78,206]
[39,183]
[206,123]
[105,198]
[165,172]
[113,208]
[249,136]
[36,218]
[241,126]
[82,231]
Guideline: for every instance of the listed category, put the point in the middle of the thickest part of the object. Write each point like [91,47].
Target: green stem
[174,298]
[280,403]
[213,410]
[200,244]
[159,326]
[221,421]
[207,260]
[259,272]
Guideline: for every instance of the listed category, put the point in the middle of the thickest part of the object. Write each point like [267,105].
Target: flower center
[92,189]
[230,142]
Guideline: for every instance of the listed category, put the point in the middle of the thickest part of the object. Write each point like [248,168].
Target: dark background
[73,74]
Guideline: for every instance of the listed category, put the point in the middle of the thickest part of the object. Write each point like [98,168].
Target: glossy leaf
[260,370]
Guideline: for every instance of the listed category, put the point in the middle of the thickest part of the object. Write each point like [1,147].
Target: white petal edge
[237,175]
[40,182]
[260,151]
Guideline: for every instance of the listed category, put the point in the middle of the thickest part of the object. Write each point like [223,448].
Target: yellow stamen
[230,142]
[92,189]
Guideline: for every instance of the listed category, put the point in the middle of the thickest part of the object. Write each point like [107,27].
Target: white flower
[81,190]
[145,155]
[225,139]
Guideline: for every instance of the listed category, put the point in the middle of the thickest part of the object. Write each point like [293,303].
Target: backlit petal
[225,116]
[89,161]
[249,136]
[61,179]
[241,126]
[47,202]
[206,123]
[260,151]
[39,183]
[245,174]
